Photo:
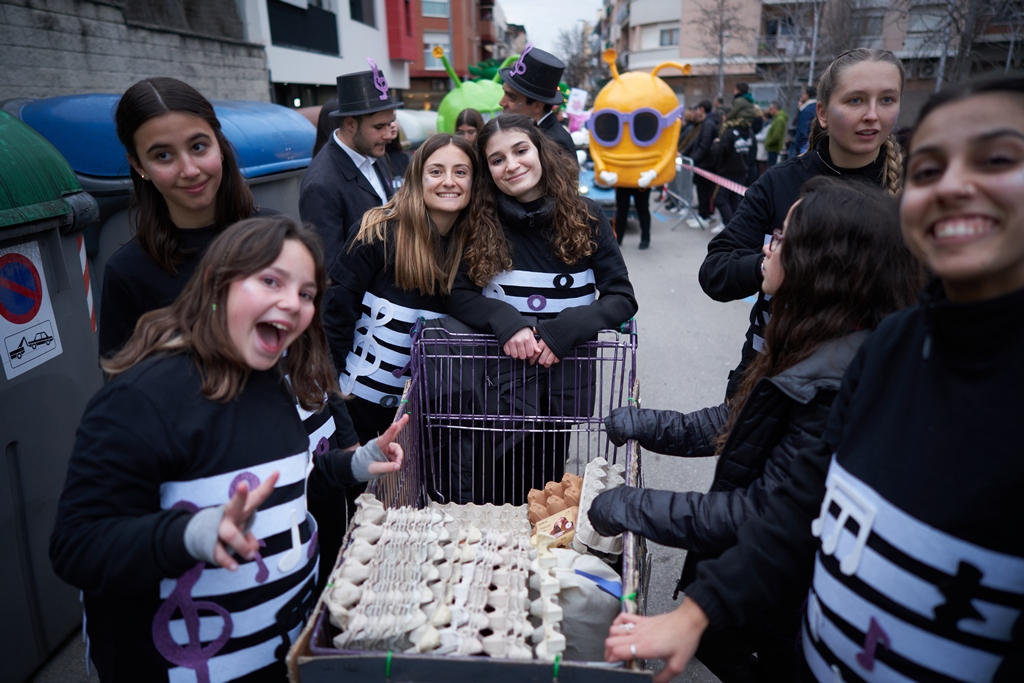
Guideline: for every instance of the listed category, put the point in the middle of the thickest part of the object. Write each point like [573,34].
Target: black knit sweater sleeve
[468,304]
[355,269]
[615,305]
[109,536]
[773,560]
[732,268]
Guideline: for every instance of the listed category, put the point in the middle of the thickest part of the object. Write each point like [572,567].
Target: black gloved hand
[621,424]
[610,510]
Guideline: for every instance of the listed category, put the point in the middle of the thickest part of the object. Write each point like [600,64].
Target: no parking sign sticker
[27,325]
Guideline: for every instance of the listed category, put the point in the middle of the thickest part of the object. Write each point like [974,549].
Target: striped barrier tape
[731,185]
[87,281]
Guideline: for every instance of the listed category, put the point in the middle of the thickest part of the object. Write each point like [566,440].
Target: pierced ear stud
[142,175]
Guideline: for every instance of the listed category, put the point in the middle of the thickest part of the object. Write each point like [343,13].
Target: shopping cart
[476,414]
[680,191]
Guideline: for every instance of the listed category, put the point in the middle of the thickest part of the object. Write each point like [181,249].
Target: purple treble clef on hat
[379,82]
[520,67]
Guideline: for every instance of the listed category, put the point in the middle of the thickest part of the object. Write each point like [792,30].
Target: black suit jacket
[334,196]
[559,134]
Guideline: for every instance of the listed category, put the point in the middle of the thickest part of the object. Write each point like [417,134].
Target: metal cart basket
[486,428]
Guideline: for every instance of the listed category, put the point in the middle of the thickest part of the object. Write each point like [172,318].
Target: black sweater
[369,320]
[542,291]
[133,283]
[732,268]
[150,451]
[923,453]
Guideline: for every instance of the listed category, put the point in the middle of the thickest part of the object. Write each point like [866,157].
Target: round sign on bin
[21,291]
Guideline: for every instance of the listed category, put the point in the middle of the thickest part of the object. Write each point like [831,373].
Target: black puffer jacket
[783,415]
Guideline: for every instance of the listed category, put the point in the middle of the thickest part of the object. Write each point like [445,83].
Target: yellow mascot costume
[635,146]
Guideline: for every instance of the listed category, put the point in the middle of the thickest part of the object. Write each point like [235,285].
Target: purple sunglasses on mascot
[645,125]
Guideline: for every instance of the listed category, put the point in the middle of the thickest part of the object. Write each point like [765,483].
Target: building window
[362,11]
[669,36]
[311,28]
[439,84]
[430,41]
[435,8]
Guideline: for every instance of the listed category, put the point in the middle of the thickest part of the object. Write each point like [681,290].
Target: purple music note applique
[192,654]
[379,82]
[520,66]
[262,573]
[874,636]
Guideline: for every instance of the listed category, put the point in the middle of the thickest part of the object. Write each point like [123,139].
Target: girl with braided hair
[851,138]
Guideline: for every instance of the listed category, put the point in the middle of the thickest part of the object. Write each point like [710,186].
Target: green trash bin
[48,348]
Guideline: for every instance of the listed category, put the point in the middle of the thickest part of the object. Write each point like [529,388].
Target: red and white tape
[87,281]
[731,185]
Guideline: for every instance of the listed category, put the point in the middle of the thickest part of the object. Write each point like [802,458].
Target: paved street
[687,345]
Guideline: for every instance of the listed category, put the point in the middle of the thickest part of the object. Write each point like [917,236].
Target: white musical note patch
[852,507]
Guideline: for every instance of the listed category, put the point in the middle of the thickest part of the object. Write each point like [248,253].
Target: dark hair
[488,252]
[706,106]
[1010,85]
[154,229]
[196,324]
[812,91]
[325,124]
[845,268]
[742,88]
[422,261]
[469,117]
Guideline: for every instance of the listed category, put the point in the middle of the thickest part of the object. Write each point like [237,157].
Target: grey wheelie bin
[48,348]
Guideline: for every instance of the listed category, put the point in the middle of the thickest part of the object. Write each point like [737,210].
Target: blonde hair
[892,173]
[421,260]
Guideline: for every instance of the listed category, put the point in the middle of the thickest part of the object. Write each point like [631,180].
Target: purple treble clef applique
[520,67]
[379,82]
[192,654]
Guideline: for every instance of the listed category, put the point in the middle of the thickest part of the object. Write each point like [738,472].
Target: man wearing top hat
[346,178]
[531,88]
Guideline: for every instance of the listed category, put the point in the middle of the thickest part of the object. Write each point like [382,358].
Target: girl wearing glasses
[851,138]
[837,268]
[902,527]
[539,256]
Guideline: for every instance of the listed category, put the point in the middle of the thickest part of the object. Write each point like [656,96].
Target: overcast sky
[544,18]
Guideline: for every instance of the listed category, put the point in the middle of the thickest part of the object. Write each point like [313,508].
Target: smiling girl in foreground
[905,520]
[196,430]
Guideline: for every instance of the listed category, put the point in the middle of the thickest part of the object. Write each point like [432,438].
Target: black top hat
[364,92]
[536,75]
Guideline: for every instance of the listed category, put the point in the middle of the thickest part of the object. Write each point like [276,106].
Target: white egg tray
[599,476]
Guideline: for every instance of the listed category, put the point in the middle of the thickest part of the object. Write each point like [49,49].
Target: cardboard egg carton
[555,497]
[599,476]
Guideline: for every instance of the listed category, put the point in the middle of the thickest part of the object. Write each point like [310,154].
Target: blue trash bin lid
[267,138]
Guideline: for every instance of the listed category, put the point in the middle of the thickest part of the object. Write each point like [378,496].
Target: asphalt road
[687,343]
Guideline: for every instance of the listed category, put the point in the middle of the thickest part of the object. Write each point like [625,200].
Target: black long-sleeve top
[905,519]
[542,291]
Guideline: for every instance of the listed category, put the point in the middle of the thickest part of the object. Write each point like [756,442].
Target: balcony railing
[783,46]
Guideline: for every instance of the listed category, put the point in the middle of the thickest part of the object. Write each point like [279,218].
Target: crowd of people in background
[861,522]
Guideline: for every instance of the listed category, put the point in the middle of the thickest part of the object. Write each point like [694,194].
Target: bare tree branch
[720,21]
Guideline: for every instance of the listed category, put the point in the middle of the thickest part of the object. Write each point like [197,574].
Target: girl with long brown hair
[187,188]
[835,270]
[539,257]
[196,429]
[395,271]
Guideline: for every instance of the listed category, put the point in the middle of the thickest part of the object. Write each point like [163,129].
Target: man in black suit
[531,89]
[345,178]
